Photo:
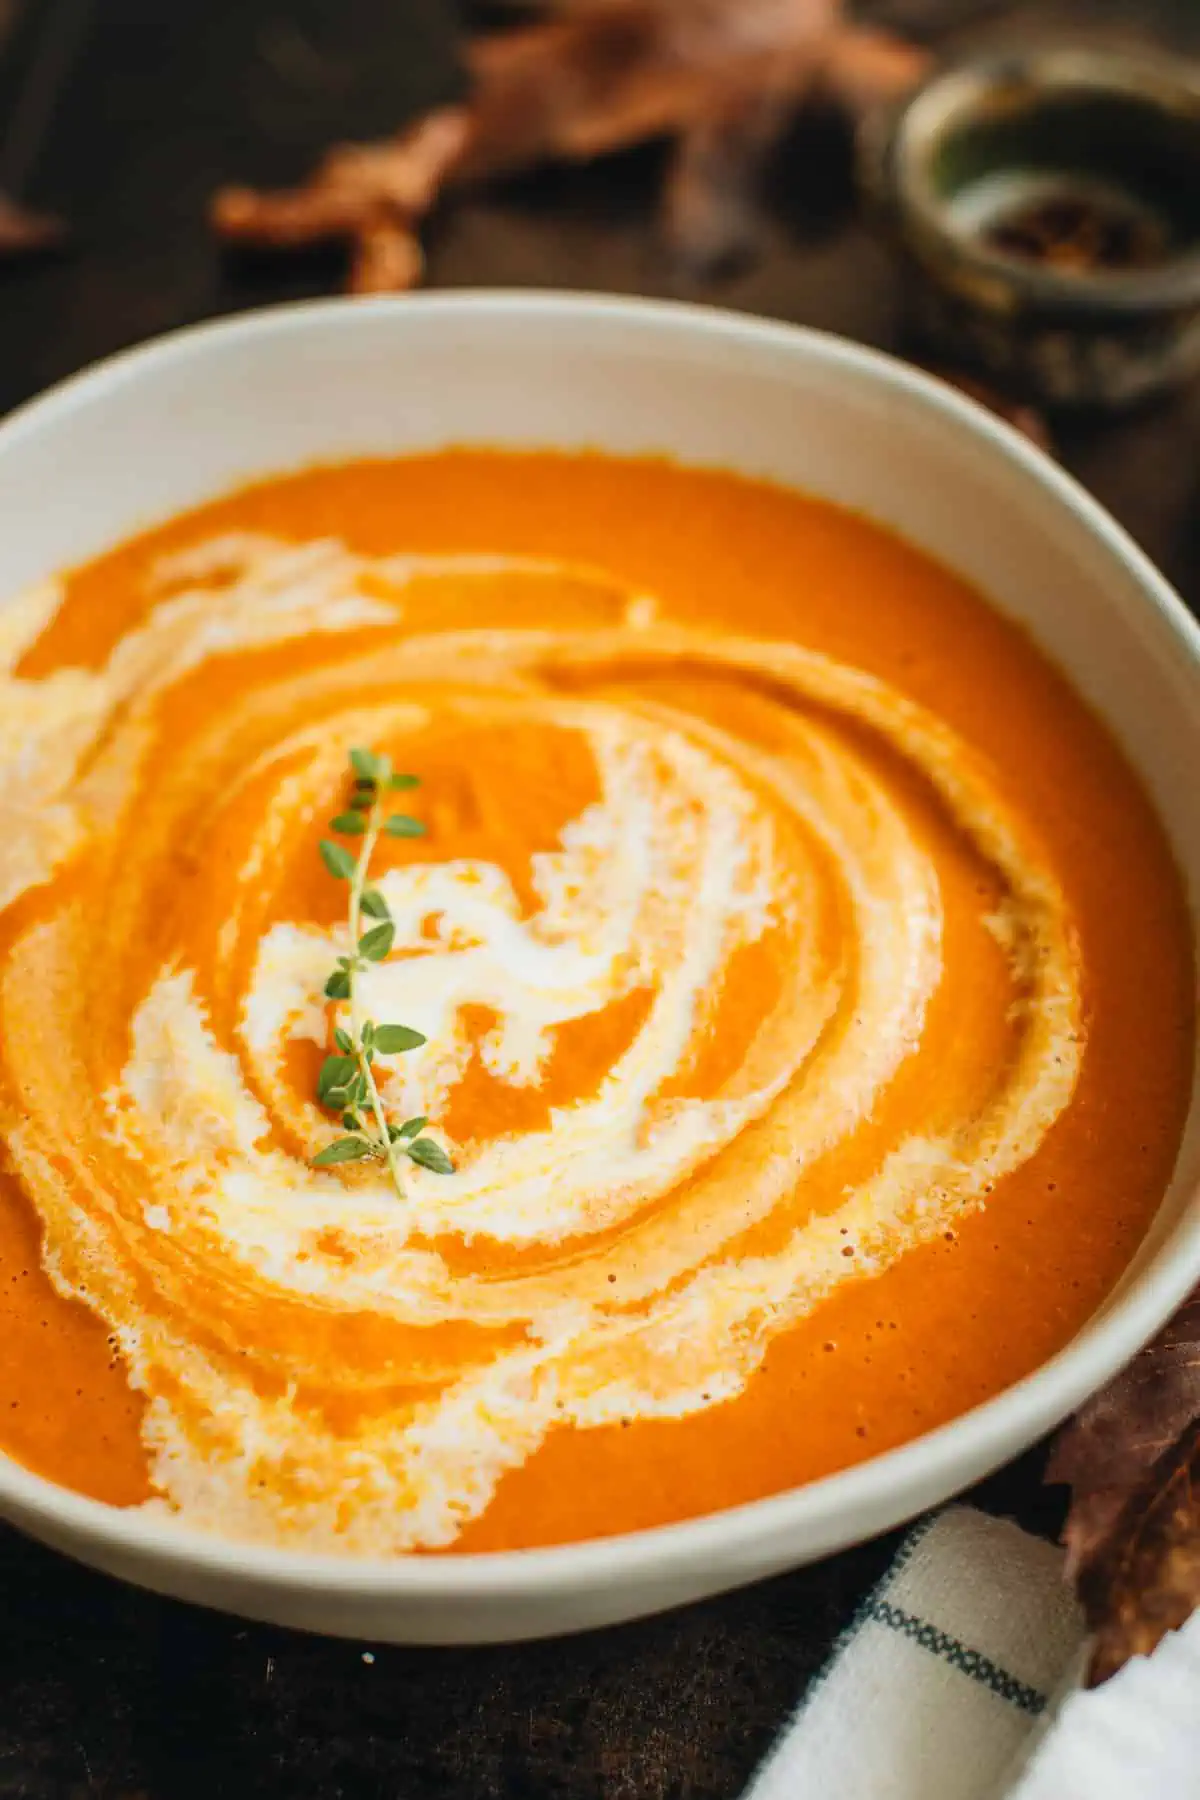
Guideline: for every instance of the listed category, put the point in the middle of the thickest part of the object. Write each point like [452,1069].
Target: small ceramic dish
[165,427]
[1046,207]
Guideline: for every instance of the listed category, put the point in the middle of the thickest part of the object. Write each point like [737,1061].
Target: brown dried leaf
[593,76]
[1132,1459]
[722,76]
[25,233]
[578,87]
[285,217]
[1148,1581]
[600,74]
[388,259]
[356,189]
[863,68]
[406,172]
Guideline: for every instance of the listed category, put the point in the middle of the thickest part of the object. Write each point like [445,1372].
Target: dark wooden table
[125,113]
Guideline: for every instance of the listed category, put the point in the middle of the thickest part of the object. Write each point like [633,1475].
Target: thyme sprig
[346,1083]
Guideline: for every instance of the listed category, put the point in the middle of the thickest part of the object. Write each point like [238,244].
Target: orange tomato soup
[806,985]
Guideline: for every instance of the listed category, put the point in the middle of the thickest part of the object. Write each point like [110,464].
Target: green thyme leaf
[401,825]
[337,860]
[401,782]
[410,1127]
[376,943]
[337,1072]
[365,764]
[374,904]
[344,1041]
[350,824]
[430,1156]
[345,1149]
[390,1040]
[338,985]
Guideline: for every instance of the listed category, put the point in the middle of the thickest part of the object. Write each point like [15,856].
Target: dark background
[125,114]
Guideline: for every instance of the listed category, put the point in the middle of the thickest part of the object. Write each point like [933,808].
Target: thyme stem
[347,1081]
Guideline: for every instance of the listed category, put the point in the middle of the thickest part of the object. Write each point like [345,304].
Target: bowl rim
[890,1487]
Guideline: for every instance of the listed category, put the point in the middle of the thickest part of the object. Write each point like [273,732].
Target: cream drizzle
[700,843]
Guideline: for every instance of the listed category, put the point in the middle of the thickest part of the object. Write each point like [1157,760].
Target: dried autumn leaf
[720,78]
[369,195]
[388,259]
[1132,1459]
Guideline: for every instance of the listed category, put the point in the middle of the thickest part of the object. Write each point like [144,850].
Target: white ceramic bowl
[167,426]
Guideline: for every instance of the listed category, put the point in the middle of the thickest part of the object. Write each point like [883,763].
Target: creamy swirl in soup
[804,978]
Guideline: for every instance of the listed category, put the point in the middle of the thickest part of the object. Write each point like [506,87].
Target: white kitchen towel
[936,1686]
[1138,1735]
[959,1680]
